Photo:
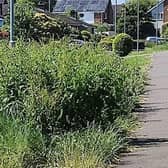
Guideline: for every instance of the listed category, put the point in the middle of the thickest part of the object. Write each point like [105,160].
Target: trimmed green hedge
[122,44]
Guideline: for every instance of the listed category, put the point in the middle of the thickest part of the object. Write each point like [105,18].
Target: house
[77,24]
[165,11]
[3,7]
[159,13]
[89,11]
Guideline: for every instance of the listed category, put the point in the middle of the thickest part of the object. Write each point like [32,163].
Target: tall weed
[89,148]
[61,87]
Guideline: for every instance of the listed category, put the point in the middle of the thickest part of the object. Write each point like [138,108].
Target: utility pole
[49,5]
[115,20]
[125,11]
[11,42]
[137,25]
[157,19]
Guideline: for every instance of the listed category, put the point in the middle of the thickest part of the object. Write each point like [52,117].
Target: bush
[96,38]
[102,28]
[107,42]
[86,35]
[48,89]
[141,44]
[35,26]
[122,44]
[147,29]
[44,28]
[165,30]
[65,89]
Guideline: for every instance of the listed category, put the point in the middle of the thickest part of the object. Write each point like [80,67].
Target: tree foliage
[131,18]
[31,25]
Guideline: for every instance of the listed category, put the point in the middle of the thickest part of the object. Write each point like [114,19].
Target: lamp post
[11,42]
[115,20]
[157,19]
[137,25]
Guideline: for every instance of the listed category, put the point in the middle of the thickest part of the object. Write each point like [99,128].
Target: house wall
[92,18]
[165,18]
[99,17]
[88,17]
[157,13]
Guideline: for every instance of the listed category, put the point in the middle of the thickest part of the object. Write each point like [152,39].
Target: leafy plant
[107,42]
[86,35]
[31,25]
[122,44]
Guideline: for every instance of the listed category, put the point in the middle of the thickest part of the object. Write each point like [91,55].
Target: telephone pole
[49,5]
[115,20]
[137,25]
[125,13]
[11,42]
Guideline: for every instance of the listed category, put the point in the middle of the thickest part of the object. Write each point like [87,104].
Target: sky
[119,1]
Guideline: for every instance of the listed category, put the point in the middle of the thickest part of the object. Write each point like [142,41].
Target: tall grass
[51,93]
[89,148]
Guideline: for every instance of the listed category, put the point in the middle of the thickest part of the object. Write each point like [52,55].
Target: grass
[89,148]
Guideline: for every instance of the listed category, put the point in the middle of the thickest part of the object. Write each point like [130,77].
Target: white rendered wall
[88,17]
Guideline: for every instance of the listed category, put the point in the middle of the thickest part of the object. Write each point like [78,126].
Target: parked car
[154,39]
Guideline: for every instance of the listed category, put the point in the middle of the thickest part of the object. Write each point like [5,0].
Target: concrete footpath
[151,140]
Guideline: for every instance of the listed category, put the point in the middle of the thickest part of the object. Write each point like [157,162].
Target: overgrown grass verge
[66,106]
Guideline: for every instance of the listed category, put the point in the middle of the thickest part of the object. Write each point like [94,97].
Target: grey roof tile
[81,5]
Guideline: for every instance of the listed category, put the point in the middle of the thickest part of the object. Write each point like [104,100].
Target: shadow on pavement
[144,142]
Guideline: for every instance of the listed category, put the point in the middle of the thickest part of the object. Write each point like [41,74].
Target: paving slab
[151,140]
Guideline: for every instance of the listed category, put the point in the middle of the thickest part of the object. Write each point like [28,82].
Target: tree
[30,25]
[45,3]
[24,13]
[131,18]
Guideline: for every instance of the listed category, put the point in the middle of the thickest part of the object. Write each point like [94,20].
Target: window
[81,15]
[161,15]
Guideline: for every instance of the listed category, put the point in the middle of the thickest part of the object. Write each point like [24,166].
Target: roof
[156,5]
[81,5]
[68,20]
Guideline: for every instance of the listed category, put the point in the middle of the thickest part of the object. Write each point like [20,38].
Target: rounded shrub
[122,44]
[86,35]
[107,42]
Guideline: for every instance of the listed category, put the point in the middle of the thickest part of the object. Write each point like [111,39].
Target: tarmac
[150,141]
